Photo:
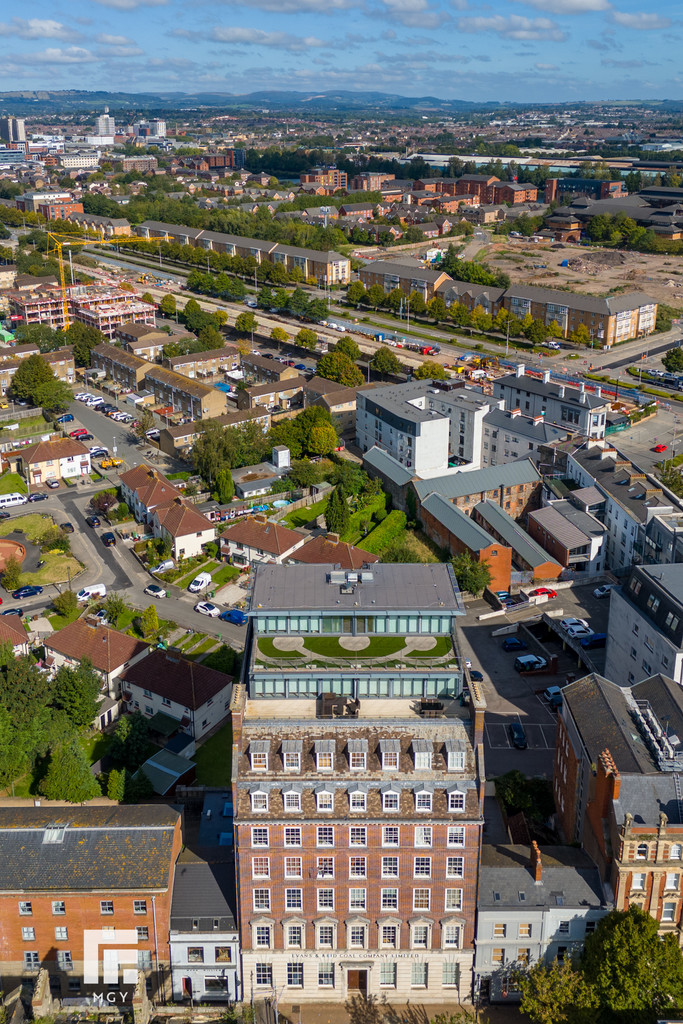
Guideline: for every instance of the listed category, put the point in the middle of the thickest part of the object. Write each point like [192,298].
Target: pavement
[360,1011]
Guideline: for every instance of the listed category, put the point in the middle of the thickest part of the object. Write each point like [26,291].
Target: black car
[66,527]
[109,540]
[87,437]
[4,514]
[517,735]
[38,497]
[93,521]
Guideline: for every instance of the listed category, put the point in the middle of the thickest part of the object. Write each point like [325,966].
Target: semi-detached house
[154,500]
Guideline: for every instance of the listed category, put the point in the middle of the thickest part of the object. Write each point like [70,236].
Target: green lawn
[214,759]
[267,647]
[205,645]
[59,621]
[31,425]
[226,574]
[192,641]
[96,746]
[206,566]
[355,531]
[379,647]
[444,646]
[58,568]
[302,516]
[33,525]
[10,482]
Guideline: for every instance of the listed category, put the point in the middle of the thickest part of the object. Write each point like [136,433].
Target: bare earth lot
[595,271]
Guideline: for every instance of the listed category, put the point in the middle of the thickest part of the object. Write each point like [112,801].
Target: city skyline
[511,50]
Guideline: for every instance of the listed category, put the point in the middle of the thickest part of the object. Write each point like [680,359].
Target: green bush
[380,515]
[211,549]
[392,527]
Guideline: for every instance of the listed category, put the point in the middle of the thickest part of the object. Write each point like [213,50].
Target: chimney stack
[546,376]
[535,862]
[520,370]
[560,391]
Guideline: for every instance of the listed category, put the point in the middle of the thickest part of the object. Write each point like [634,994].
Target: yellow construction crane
[56,243]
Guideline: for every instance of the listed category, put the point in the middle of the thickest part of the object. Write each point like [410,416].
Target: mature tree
[349,347]
[68,776]
[116,784]
[430,370]
[304,473]
[394,300]
[138,788]
[35,382]
[673,360]
[580,335]
[554,330]
[337,514]
[225,486]
[480,319]
[75,691]
[144,422]
[209,338]
[460,314]
[385,361]
[168,306]
[338,367]
[11,574]
[472,576]
[375,295]
[306,338]
[149,622]
[322,439]
[245,323]
[537,332]
[634,972]
[104,502]
[65,603]
[41,335]
[130,741]
[355,293]
[115,607]
[84,339]
[279,335]
[436,308]
[556,994]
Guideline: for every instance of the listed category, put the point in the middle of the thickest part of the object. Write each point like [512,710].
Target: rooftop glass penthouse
[384,632]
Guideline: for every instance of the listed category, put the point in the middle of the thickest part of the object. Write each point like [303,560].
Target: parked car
[79,432]
[234,615]
[579,632]
[604,590]
[513,643]
[66,527]
[109,540]
[68,417]
[206,608]
[566,623]
[200,583]
[98,452]
[110,463]
[93,521]
[164,566]
[4,514]
[154,590]
[543,592]
[553,694]
[594,641]
[52,484]
[40,496]
[86,437]
[502,595]
[530,663]
[26,592]
[13,611]
[476,676]
[518,736]
[659,448]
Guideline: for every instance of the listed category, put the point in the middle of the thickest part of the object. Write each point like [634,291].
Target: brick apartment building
[358,794]
[59,210]
[368,181]
[491,189]
[65,870]
[330,178]
[406,274]
[596,188]
[617,790]
[108,226]
[138,163]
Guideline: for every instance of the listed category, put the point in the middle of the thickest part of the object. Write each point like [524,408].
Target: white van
[89,593]
[200,583]
[14,498]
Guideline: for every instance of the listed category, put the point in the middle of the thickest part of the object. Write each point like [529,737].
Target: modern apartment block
[329,267]
[404,273]
[359,787]
[330,177]
[576,409]
[645,628]
[490,189]
[508,435]
[423,423]
[616,784]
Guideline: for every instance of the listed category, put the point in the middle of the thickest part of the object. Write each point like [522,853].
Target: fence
[10,415]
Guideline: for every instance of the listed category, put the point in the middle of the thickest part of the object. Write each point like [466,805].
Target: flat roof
[392,587]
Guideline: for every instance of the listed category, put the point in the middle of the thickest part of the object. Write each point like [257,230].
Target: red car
[659,448]
[543,592]
[79,432]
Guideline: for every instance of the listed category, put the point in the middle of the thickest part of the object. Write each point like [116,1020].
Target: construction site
[105,308]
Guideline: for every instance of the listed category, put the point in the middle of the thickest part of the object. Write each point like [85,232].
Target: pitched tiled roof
[181,681]
[323,551]
[151,487]
[43,451]
[180,519]
[102,848]
[267,536]
[106,648]
[12,630]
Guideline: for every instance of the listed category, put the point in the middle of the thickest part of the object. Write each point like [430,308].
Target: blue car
[234,615]
[300,366]
[13,611]
[513,643]
[66,418]
[26,592]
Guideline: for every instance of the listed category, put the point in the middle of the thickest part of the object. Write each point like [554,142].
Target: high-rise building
[12,129]
[105,124]
[358,787]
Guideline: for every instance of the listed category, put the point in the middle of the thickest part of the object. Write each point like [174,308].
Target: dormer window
[358,755]
[291,799]
[259,800]
[455,755]
[456,800]
[291,755]
[324,799]
[423,798]
[422,753]
[390,751]
[358,799]
[258,755]
[324,755]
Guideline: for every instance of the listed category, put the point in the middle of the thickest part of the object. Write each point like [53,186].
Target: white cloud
[37,28]
[640,20]
[131,5]
[546,67]
[514,27]
[413,13]
[64,55]
[258,37]
[298,6]
[109,40]
[568,6]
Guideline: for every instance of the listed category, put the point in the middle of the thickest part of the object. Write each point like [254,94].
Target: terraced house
[359,800]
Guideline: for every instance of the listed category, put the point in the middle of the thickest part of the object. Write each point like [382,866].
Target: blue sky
[523,50]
